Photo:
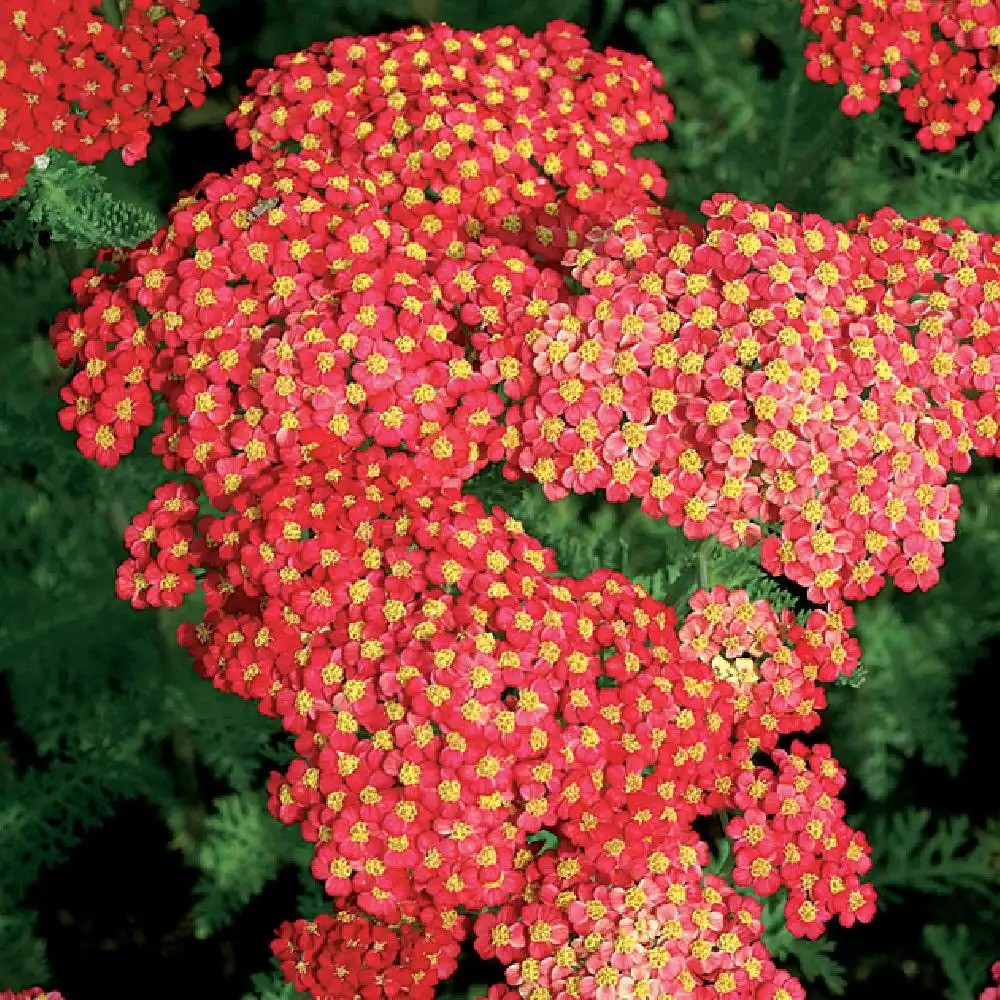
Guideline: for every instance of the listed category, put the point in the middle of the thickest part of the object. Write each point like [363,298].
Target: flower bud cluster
[71,80]
[940,58]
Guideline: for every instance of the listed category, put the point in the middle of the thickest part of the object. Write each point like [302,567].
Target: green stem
[789,122]
[704,563]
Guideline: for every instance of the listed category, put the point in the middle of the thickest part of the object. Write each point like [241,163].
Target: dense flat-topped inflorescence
[939,58]
[72,80]
[772,375]
[442,255]
[494,121]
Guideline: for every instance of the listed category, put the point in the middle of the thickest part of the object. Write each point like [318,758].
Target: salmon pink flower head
[798,377]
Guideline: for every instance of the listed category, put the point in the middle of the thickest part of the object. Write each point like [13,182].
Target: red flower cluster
[452,699]
[345,954]
[941,58]
[71,80]
[775,370]
[444,256]
[518,134]
[829,391]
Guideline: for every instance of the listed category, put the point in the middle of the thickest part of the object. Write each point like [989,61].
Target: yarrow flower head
[69,79]
[518,135]
[776,375]
[940,58]
[453,700]
[443,256]
[372,960]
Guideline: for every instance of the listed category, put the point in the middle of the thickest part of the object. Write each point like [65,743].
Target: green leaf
[272,986]
[961,962]
[71,202]
[913,853]
[22,952]
[243,848]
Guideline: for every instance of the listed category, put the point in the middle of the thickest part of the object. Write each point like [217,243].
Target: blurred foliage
[914,852]
[97,705]
[960,960]
[290,26]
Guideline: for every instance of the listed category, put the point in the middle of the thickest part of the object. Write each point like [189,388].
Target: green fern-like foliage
[71,202]
[272,986]
[242,848]
[962,959]
[945,860]
[914,853]
[749,121]
[106,707]
[22,954]
[587,533]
